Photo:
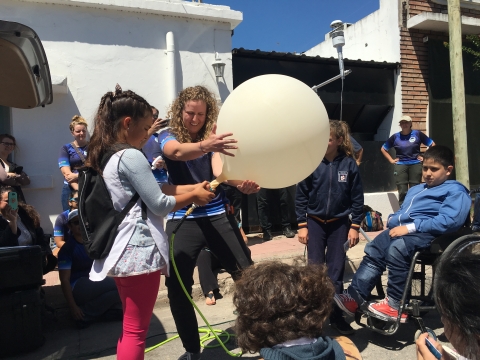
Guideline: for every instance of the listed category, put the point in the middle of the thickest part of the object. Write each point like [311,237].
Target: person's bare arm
[76,312]
[59,241]
[359,156]
[175,150]
[68,174]
[387,156]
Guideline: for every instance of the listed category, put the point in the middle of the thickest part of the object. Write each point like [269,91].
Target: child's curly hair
[277,302]
[175,113]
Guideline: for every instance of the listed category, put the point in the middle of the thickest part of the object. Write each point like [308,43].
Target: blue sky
[291,25]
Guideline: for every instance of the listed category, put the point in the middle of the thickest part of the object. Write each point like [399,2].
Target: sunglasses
[74,199]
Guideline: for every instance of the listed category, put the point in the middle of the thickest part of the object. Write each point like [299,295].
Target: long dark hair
[29,209]
[113,106]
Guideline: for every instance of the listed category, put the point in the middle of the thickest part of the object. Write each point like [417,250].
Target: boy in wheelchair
[431,209]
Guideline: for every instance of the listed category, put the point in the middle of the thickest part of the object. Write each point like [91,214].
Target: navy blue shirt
[192,172]
[73,256]
[407,147]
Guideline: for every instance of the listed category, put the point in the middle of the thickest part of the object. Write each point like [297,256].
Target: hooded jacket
[333,190]
[324,348]
[435,210]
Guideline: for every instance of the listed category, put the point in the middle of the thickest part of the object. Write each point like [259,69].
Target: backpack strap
[79,153]
[135,197]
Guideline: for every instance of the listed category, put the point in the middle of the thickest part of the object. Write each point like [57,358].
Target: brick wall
[414,60]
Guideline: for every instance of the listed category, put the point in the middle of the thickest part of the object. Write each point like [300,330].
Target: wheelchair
[417,298]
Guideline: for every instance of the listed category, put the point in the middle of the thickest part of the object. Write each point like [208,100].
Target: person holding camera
[20,226]
[10,173]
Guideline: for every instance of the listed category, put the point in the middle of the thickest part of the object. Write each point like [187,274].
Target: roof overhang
[175,8]
[439,22]
[368,91]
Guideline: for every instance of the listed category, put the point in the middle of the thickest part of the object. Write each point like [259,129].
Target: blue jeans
[394,254]
[66,190]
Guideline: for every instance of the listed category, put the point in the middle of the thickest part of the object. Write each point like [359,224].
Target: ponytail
[113,107]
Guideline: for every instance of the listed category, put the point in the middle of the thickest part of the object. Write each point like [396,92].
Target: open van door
[25,80]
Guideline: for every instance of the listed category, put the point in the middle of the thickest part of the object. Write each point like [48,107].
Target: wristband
[355,227]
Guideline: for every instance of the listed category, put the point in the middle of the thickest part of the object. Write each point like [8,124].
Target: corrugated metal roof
[312,59]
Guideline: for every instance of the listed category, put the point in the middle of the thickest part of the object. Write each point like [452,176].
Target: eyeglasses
[74,199]
[155,116]
[7,144]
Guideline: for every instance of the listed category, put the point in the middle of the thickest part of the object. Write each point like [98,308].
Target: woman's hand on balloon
[218,143]
[248,187]
[202,196]
[303,235]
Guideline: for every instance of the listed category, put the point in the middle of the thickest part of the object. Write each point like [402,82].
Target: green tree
[473,49]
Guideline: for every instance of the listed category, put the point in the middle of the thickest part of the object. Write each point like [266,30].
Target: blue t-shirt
[73,256]
[69,157]
[151,149]
[407,147]
[61,224]
[192,172]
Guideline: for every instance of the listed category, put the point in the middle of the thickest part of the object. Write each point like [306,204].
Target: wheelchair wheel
[429,331]
[422,283]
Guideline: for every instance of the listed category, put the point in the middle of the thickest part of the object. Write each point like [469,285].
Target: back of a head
[113,107]
[457,295]
[440,154]
[277,302]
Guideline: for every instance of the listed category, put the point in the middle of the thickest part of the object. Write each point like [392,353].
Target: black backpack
[98,218]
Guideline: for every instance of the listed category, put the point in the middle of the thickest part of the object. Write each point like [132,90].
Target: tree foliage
[473,48]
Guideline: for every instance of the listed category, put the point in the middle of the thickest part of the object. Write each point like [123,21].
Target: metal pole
[458,92]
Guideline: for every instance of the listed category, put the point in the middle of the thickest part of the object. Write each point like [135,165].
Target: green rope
[210,333]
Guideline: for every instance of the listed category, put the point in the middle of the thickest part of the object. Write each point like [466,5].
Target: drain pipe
[171,75]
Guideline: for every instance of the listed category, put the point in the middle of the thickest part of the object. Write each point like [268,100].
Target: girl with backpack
[323,203]
[140,251]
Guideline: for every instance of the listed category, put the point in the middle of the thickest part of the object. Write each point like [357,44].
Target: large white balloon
[282,130]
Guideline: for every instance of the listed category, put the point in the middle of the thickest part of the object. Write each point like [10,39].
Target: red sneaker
[346,303]
[382,308]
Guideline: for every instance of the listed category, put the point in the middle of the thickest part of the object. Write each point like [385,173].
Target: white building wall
[95,49]
[375,37]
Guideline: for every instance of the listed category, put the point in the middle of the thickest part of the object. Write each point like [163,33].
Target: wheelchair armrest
[440,243]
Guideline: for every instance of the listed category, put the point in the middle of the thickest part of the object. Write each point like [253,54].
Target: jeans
[394,254]
[66,190]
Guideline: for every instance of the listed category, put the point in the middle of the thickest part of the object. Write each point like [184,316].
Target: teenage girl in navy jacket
[324,200]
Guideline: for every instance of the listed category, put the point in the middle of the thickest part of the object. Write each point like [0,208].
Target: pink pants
[138,294]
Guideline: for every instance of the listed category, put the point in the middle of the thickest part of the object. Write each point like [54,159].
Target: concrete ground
[64,341]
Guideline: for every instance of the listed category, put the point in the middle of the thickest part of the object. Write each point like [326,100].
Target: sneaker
[346,303]
[190,356]
[289,233]
[267,235]
[382,308]
[342,327]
